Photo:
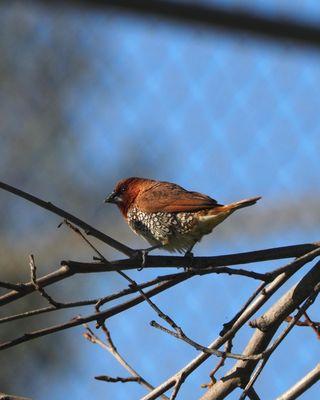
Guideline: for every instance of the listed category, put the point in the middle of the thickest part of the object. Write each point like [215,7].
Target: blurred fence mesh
[88,97]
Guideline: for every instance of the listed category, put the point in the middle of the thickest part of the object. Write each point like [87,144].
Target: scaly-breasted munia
[167,215]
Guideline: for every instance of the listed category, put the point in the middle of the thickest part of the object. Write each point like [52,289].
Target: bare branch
[18,287]
[70,268]
[315,326]
[4,396]
[249,257]
[98,302]
[302,386]
[228,325]
[107,378]
[179,334]
[244,373]
[240,374]
[110,346]
[101,316]
[245,316]
[252,394]
[280,338]
[58,211]
[219,365]
[36,285]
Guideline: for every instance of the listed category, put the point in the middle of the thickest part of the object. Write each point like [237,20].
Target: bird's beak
[112,198]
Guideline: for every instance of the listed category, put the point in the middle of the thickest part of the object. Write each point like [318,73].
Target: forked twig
[267,353]
[111,348]
[33,270]
[315,326]
[219,365]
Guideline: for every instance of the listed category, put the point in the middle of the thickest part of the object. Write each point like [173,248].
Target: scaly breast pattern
[161,227]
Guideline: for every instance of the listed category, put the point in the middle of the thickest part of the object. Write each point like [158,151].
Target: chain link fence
[89,97]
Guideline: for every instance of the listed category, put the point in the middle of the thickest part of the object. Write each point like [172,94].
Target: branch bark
[90,230]
[243,318]
[70,268]
[212,16]
[240,374]
[302,386]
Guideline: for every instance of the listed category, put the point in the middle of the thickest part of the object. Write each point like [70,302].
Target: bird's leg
[144,252]
[188,254]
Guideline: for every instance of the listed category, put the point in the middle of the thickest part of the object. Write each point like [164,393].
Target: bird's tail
[241,204]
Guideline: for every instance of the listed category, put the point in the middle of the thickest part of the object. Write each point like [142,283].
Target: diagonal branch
[18,287]
[90,230]
[268,324]
[36,285]
[245,316]
[4,396]
[267,353]
[179,334]
[110,346]
[303,385]
[92,317]
[132,289]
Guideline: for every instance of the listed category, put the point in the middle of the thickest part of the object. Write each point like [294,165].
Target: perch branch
[70,268]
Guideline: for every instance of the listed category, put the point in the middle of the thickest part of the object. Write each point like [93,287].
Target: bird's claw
[142,254]
[189,255]
[100,259]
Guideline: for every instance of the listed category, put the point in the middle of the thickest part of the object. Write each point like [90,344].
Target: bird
[168,216]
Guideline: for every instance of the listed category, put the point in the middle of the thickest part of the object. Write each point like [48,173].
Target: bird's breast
[176,231]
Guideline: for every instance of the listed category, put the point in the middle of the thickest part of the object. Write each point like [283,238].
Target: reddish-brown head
[126,191]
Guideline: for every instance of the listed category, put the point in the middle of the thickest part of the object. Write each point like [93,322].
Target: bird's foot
[189,255]
[142,254]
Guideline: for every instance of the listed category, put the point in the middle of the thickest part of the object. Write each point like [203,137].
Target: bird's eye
[123,189]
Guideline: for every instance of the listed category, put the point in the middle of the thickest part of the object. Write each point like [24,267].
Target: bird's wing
[169,197]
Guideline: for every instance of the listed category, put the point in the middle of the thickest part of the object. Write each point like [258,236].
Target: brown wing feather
[169,197]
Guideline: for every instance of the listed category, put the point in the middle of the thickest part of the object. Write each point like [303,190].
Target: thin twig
[110,346]
[267,353]
[315,326]
[219,365]
[107,378]
[228,325]
[78,232]
[103,315]
[292,268]
[98,302]
[179,381]
[179,334]
[58,211]
[33,270]
[125,276]
[124,292]
[19,287]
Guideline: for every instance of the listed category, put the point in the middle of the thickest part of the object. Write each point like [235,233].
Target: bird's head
[126,191]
